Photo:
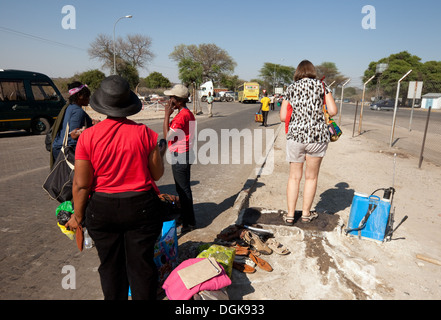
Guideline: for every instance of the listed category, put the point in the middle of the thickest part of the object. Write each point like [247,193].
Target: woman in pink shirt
[117,163]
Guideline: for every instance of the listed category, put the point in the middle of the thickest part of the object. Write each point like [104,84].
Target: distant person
[307,137]
[180,134]
[264,106]
[272,103]
[75,116]
[210,100]
[117,162]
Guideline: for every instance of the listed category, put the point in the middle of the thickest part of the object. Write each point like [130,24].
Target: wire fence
[404,115]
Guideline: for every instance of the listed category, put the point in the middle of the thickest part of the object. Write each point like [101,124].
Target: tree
[230,81]
[135,50]
[330,71]
[190,71]
[213,60]
[156,80]
[276,74]
[92,78]
[129,72]
[398,65]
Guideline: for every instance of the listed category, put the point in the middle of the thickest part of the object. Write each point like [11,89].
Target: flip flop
[262,264]
[277,247]
[254,241]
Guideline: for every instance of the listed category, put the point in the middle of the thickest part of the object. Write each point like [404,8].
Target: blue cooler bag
[369,217]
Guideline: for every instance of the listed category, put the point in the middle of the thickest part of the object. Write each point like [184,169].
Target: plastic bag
[63,213]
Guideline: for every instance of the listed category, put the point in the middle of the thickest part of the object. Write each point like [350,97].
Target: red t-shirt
[118,150]
[183,124]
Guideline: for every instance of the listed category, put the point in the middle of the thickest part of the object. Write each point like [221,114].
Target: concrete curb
[247,189]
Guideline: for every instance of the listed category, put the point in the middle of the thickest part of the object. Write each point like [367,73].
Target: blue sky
[252,32]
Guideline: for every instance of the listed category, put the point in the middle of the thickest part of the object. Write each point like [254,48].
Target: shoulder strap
[324,96]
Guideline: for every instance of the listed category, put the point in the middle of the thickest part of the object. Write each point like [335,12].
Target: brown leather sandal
[254,241]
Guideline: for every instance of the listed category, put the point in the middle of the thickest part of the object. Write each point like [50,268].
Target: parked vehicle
[248,92]
[29,101]
[387,104]
[206,88]
[226,96]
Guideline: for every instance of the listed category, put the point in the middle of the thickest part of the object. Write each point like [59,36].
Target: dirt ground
[324,263]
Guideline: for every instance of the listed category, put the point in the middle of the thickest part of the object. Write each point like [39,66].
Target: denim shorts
[296,152]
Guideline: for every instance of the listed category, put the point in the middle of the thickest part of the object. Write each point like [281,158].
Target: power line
[30,36]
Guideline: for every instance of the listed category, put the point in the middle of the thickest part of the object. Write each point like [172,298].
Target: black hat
[114,98]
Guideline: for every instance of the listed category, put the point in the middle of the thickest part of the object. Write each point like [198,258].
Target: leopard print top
[307,124]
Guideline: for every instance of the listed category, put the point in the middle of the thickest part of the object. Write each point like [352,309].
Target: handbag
[258,117]
[334,130]
[58,183]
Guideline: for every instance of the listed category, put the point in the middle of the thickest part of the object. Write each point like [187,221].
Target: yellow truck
[248,92]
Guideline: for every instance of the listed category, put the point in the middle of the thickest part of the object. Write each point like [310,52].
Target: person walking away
[307,137]
[264,106]
[210,100]
[117,162]
[272,102]
[180,135]
[74,116]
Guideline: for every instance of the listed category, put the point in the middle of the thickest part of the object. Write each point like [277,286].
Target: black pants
[265,117]
[181,174]
[125,228]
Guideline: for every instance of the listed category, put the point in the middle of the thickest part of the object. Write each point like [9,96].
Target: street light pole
[114,53]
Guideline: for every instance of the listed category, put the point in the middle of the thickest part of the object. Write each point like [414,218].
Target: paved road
[35,252]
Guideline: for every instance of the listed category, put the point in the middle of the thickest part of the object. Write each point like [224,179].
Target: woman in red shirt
[180,135]
[116,164]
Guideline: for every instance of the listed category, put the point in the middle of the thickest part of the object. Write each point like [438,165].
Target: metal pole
[424,138]
[355,118]
[341,101]
[396,107]
[114,53]
[362,103]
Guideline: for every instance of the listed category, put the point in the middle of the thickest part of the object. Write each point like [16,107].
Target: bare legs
[292,190]
[312,169]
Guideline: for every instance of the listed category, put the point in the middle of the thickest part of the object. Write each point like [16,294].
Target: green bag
[223,255]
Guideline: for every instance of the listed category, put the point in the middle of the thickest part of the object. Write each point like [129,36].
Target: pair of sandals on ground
[249,248]
[248,257]
[289,220]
